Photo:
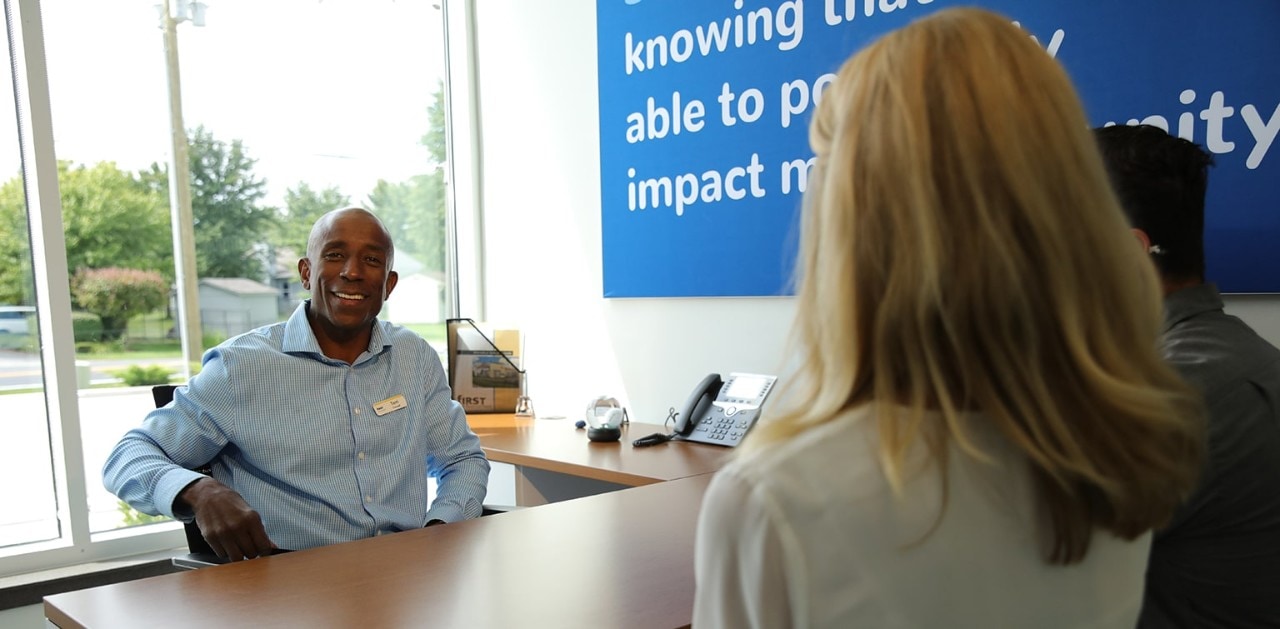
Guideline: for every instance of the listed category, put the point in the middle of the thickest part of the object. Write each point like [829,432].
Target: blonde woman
[979,431]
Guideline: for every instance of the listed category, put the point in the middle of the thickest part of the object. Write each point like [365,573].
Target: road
[20,370]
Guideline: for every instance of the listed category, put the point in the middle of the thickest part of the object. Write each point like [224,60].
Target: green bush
[133,517]
[86,327]
[138,376]
[19,342]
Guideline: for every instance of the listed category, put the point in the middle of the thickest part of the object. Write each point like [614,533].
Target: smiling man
[321,429]
[348,271]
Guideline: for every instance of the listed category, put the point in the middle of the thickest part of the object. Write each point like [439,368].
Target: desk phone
[720,412]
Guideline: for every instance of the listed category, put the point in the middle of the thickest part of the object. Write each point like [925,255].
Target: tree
[16,283]
[303,205]
[110,218]
[434,139]
[414,211]
[117,295]
[226,204]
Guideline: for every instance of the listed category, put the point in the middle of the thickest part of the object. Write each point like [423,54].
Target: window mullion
[49,259]
[463,171]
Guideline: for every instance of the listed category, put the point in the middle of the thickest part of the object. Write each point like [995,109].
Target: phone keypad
[726,426]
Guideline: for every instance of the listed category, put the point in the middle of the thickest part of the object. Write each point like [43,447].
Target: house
[418,296]
[282,272]
[232,305]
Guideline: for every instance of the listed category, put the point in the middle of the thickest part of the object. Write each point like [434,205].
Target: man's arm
[456,459]
[150,467]
[152,463]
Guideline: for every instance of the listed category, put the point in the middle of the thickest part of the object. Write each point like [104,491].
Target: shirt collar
[1189,302]
[299,338]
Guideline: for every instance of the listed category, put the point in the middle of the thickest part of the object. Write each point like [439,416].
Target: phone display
[747,388]
[721,412]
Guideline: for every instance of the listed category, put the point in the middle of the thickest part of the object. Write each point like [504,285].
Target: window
[26,430]
[290,108]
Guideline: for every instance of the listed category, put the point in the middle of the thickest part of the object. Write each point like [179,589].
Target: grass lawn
[433,332]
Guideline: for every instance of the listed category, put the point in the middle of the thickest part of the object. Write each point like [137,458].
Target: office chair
[199,553]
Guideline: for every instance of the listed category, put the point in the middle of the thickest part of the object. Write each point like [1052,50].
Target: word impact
[690,188]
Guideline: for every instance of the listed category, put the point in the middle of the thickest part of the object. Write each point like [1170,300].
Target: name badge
[390,405]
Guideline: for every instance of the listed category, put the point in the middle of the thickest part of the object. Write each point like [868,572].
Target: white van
[16,319]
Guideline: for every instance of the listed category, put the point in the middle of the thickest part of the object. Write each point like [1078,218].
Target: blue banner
[705,105]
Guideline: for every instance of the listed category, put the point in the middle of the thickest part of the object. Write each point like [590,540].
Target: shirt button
[357,411]
[376,533]
[368,498]
[360,456]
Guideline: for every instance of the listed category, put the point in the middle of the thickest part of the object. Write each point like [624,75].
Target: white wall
[540,161]
[540,182]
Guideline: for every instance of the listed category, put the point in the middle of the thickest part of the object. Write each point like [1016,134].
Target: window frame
[57,347]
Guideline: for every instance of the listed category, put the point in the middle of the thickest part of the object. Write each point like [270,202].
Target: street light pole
[184,242]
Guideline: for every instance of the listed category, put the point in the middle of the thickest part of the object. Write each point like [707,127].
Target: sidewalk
[31,506]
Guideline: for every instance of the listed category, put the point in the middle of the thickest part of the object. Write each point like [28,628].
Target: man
[321,429]
[1217,564]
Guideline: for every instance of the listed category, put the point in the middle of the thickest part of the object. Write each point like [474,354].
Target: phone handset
[718,412]
[698,404]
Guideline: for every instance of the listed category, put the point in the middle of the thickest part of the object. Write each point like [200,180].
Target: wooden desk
[545,451]
[621,559]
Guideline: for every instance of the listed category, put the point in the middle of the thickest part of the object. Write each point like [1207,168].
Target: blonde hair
[962,251]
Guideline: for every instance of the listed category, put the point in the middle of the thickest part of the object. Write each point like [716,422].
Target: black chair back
[196,544]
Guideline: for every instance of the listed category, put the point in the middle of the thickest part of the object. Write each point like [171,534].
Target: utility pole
[184,241]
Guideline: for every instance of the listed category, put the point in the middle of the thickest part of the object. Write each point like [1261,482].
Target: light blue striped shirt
[297,434]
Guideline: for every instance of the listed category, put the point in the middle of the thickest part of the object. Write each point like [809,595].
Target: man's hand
[232,528]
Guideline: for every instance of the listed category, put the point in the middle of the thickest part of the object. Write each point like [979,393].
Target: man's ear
[304,271]
[1143,239]
[392,279]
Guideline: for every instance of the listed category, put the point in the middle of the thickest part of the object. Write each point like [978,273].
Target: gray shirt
[1217,563]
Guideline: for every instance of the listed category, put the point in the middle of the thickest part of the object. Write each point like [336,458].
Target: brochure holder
[484,368]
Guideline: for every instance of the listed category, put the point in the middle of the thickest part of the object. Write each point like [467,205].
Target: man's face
[348,274]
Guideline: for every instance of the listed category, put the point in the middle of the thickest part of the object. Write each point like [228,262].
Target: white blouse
[809,534]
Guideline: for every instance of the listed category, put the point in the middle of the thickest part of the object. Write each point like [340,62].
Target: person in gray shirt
[1217,563]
